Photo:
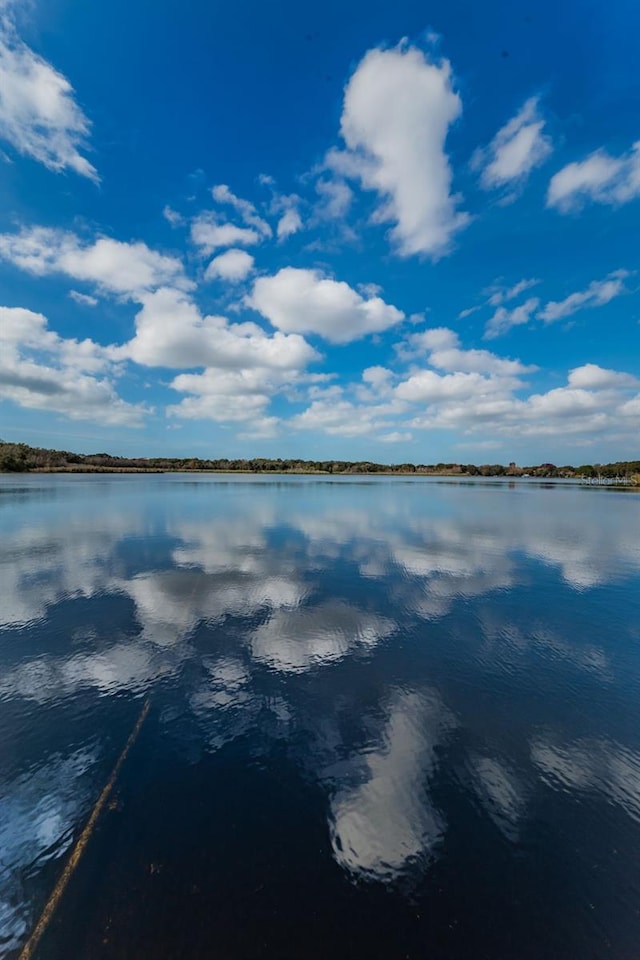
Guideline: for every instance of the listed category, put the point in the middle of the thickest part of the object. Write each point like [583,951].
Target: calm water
[387,719]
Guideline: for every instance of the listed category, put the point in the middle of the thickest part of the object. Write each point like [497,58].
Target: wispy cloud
[39,115]
[517,148]
[600,178]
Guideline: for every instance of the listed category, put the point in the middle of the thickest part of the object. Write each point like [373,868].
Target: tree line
[19,457]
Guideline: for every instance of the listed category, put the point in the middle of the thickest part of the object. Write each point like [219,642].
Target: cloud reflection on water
[269,590]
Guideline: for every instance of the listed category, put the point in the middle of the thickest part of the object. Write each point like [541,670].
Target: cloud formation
[39,115]
[43,371]
[597,294]
[233,265]
[305,301]
[398,108]
[126,269]
[516,149]
[600,178]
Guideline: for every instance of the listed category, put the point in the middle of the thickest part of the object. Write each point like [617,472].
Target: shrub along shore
[21,458]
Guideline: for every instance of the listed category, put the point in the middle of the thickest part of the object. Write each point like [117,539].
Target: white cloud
[498,294]
[127,269]
[42,371]
[598,293]
[208,234]
[342,418]
[600,178]
[222,194]
[172,216]
[445,353]
[430,387]
[171,332]
[504,319]
[39,115]
[304,301]
[501,294]
[591,376]
[396,436]
[83,298]
[398,108]
[336,198]
[233,265]
[289,223]
[516,149]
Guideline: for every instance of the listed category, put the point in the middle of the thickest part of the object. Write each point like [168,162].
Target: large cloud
[125,269]
[39,115]
[171,332]
[40,370]
[305,301]
[398,108]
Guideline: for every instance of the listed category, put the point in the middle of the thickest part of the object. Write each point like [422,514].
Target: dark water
[386,719]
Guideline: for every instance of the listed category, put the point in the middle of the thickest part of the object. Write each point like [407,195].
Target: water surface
[387,718]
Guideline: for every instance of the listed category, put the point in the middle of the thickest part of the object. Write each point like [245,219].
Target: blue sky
[388,231]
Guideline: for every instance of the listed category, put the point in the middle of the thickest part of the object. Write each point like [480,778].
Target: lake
[318,717]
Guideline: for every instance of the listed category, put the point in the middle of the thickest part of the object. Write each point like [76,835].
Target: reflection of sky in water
[409,643]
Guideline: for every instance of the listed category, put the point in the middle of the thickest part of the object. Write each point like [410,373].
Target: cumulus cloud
[600,178]
[398,108]
[516,149]
[126,269]
[343,418]
[305,301]
[431,387]
[445,353]
[473,391]
[172,332]
[591,376]
[598,293]
[39,115]
[209,234]
[233,265]
[42,371]
[504,318]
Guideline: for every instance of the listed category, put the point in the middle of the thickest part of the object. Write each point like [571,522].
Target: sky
[398,232]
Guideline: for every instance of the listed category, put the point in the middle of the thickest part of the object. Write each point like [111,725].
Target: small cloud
[289,223]
[83,298]
[515,151]
[173,217]
[504,319]
[395,437]
[233,265]
[598,293]
[600,178]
